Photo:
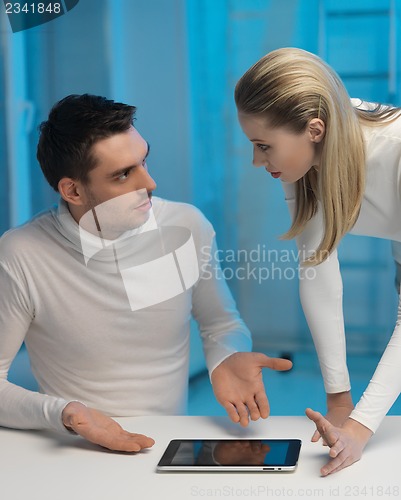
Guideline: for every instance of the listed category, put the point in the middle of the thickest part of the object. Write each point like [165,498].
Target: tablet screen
[276,453]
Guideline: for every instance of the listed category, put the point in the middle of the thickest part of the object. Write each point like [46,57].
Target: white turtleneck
[88,337]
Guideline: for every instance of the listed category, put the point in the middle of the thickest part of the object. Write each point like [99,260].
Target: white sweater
[321,297]
[84,340]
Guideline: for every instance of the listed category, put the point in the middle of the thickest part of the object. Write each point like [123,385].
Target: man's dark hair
[75,124]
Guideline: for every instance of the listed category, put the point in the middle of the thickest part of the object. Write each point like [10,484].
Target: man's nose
[148,180]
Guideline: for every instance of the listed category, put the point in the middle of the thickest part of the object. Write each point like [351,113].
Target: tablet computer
[264,455]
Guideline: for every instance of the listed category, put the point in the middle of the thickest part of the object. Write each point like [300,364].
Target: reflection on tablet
[227,455]
[231,452]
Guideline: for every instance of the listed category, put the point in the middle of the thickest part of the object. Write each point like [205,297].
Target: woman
[340,165]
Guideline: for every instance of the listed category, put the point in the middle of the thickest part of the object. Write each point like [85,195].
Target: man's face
[119,189]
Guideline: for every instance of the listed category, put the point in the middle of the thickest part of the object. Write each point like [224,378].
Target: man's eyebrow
[120,171]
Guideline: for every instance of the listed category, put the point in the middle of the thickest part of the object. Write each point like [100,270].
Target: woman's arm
[321,293]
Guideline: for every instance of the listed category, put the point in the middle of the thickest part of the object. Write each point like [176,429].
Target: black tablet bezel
[289,464]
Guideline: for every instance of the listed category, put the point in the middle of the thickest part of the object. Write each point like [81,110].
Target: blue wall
[178,62]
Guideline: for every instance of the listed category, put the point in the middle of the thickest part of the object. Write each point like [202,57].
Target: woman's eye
[262,147]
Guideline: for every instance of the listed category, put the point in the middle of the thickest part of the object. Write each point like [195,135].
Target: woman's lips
[275,175]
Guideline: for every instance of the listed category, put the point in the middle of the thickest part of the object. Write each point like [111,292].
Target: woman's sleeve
[385,385]
[321,293]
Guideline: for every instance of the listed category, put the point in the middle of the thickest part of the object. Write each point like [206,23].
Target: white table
[47,466]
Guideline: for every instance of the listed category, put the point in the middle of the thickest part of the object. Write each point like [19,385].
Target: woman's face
[286,155]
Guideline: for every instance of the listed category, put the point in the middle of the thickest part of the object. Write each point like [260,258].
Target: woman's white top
[321,297]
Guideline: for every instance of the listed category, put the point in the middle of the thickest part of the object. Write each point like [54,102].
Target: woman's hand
[339,408]
[346,443]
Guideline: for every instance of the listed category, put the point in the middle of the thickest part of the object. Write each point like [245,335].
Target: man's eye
[262,147]
[123,176]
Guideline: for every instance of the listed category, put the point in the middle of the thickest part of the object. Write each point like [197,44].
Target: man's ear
[317,130]
[71,191]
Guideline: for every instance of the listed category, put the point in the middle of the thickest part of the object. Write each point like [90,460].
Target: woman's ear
[316,129]
[70,190]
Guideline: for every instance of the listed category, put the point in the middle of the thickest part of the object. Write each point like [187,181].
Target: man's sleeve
[223,331]
[20,408]
[396,250]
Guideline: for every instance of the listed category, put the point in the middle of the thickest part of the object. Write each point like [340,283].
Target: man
[396,249]
[101,288]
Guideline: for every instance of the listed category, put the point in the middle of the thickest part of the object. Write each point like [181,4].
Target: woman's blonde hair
[289,87]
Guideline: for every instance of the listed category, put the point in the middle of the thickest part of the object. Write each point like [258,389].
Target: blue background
[178,62]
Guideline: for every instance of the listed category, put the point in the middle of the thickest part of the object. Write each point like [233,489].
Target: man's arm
[222,330]
[236,373]
[23,409]
[20,408]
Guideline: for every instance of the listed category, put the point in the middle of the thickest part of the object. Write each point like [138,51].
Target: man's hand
[238,384]
[99,429]
[346,442]
[339,408]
